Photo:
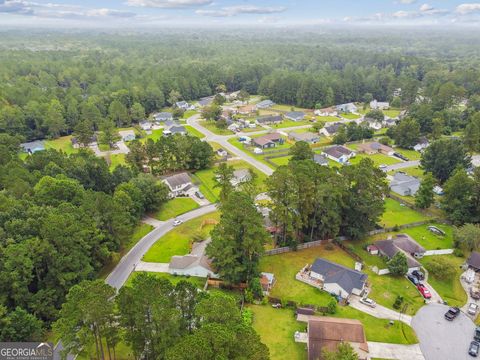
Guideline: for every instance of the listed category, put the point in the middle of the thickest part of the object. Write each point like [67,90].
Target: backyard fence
[438,252]
[299,247]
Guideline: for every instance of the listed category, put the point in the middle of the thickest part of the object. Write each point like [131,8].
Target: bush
[458,253]
[332,306]
[441,268]
[398,302]
[247,317]
[329,247]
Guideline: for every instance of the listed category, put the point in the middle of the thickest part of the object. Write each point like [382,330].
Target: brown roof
[247,108]
[261,141]
[374,146]
[403,243]
[273,136]
[327,332]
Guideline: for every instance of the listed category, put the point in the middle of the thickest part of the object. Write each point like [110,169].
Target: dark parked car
[473,349]
[452,313]
[476,334]
[418,274]
[413,279]
[400,156]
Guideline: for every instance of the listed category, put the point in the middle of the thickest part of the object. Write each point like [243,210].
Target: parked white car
[472,308]
[177,222]
[368,302]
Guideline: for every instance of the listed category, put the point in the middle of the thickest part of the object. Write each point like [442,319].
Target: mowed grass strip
[396,214]
[179,240]
[175,207]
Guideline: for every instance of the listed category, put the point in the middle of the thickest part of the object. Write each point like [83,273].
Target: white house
[265,104]
[379,105]
[162,116]
[295,115]
[422,144]
[194,264]
[330,111]
[127,135]
[179,184]
[338,153]
[145,125]
[338,279]
[240,176]
[184,105]
[347,108]
[331,129]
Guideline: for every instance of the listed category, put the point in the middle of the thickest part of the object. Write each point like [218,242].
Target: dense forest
[48,86]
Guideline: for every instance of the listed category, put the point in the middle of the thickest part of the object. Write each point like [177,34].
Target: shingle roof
[177,180]
[175,129]
[333,128]
[402,183]
[337,151]
[196,257]
[295,114]
[206,100]
[163,115]
[347,279]
[306,136]
[474,260]
[33,145]
[320,159]
[403,243]
[265,103]
[375,146]
[269,118]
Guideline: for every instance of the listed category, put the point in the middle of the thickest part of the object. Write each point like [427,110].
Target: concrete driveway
[395,351]
[379,311]
[441,339]
[402,165]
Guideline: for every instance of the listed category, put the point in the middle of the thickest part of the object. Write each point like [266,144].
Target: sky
[254,13]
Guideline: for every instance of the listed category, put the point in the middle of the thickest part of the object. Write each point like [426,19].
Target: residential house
[295,115]
[162,116]
[331,129]
[267,141]
[338,153]
[422,144]
[234,127]
[172,128]
[145,125]
[389,122]
[338,279]
[194,264]
[33,146]
[265,104]
[397,92]
[308,137]
[473,261]
[320,159]
[76,143]
[327,333]
[247,109]
[127,135]
[404,185]
[184,105]
[269,119]
[222,152]
[179,184]
[375,147]
[240,176]
[330,111]
[205,101]
[347,108]
[373,123]
[438,190]
[405,244]
[267,281]
[379,105]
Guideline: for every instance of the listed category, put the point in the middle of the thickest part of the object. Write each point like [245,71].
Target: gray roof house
[33,146]
[404,185]
[347,108]
[320,159]
[205,101]
[179,184]
[269,119]
[194,264]
[474,260]
[241,176]
[295,115]
[265,104]
[338,153]
[127,135]
[330,130]
[163,116]
[338,279]
[183,105]
[308,137]
[405,244]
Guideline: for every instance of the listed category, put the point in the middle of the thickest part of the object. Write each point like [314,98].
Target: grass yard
[395,214]
[288,108]
[290,123]
[115,160]
[197,281]
[189,113]
[140,231]
[155,135]
[450,290]
[285,266]
[175,207]
[429,240]
[409,153]
[378,159]
[412,171]
[350,116]
[194,132]
[281,160]
[122,352]
[279,338]
[178,241]
[210,125]
[328,118]
[392,113]
[63,143]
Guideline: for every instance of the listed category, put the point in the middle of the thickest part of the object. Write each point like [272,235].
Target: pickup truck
[452,313]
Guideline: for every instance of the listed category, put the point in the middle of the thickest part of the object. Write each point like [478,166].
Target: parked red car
[424,291]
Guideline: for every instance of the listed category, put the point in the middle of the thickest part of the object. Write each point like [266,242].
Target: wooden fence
[299,247]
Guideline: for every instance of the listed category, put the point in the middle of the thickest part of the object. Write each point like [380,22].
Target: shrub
[329,247]
[247,316]
[332,306]
[398,302]
[458,253]
[441,268]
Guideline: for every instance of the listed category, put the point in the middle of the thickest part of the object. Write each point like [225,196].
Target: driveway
[402,165]
[441,339]
[152,267]
[466,286]
[379,311]
[395,351]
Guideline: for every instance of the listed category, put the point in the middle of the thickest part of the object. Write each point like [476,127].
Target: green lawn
[395,214]
[392,113]
[409,153]
[155,135]
[178,241]
[194,132]
[122,352]
[198,281]
[285,266]
[189,113]
[290,123]
[328,118]
[429,240]
[140,231]
[279,338]
[63,143]
[378,159]
[281,160]
[350,116]
[175,207]
[116,159]
[210,125]
[450,290]
[412,171]
[281,107]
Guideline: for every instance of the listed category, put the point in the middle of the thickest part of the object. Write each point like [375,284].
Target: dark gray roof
[163,116]
[295,114]
[178,129]
[177,180]
[33,146]
[474,260]
[337,151]
[347,279]
[269,118]
[320,159]
[265,104]
[333,128]
[401,243]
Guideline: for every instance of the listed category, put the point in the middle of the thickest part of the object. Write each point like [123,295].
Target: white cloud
[241,9]
[109,12]
[168,4]
[407,1]
[465,9]
[426,7]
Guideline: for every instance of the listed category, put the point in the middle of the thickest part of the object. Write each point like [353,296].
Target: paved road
[441,339]
[394,351]
[223,141]
[122,271]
